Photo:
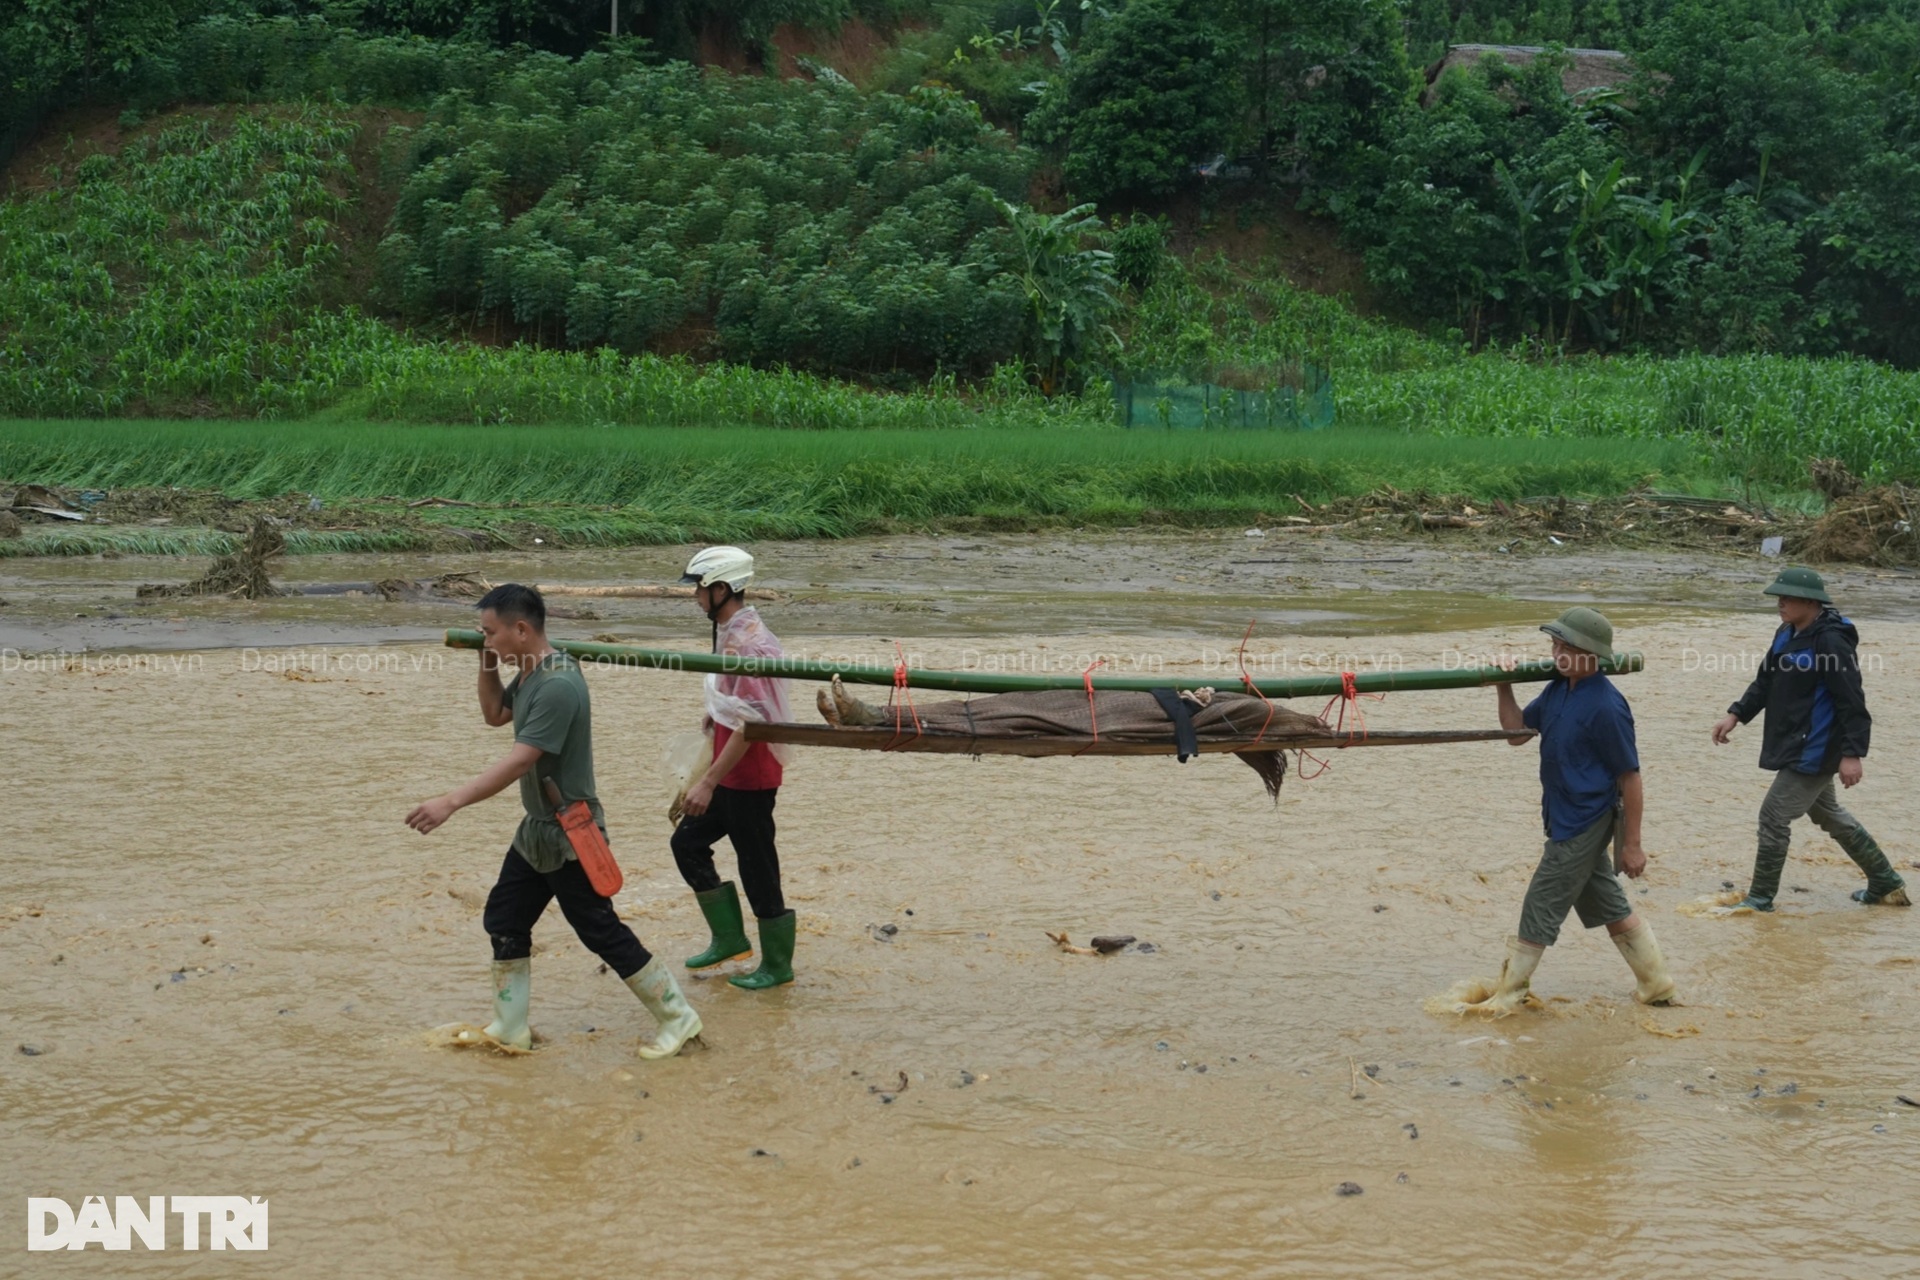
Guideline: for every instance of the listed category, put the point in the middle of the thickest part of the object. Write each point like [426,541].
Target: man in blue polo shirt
[1590,804]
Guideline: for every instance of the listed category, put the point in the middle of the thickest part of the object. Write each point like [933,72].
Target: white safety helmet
[730,565]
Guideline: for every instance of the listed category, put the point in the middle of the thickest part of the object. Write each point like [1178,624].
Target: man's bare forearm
[1633,803]
[730,755]
[1511,718]
[493,695]
[497,777]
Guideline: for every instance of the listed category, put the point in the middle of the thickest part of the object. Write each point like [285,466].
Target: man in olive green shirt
[552,719]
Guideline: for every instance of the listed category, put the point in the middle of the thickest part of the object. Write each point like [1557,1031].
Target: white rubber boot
[661,994]
[512,992]
[1516,979]
[1642,954]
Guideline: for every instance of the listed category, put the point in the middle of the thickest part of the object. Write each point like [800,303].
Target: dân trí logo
[231,1222]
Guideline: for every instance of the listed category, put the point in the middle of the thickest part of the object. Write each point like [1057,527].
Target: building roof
[1589,68]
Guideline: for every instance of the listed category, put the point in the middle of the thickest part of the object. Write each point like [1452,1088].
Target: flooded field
[226,955]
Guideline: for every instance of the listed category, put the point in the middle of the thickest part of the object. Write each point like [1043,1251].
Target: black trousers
[521,894]
[745,818]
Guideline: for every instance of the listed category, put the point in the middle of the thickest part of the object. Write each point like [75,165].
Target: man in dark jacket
[1817,727]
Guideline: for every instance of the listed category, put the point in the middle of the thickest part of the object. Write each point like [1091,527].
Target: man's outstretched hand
[429,814]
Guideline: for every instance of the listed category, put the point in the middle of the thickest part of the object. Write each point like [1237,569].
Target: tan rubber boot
[512,990]
[1642,953]
[1516,979]
[661,994]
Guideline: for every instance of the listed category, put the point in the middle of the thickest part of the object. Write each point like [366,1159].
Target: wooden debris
[1831,477]
[1874,526]
[242,575]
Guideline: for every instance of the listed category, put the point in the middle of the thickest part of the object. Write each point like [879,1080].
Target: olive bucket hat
[1584,628]
[1804,583]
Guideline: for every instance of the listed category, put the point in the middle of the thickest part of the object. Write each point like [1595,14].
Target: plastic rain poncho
[735,700]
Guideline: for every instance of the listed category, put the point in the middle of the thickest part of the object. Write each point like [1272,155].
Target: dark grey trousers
[1812,795]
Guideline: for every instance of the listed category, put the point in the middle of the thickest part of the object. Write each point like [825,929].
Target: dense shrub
[183,275]
[606,202]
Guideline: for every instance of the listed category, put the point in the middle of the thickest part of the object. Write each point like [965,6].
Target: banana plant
[1070,288]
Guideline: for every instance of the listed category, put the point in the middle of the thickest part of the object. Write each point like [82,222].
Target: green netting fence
[1298,399]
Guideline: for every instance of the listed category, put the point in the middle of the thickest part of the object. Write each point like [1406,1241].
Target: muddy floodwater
[225,956]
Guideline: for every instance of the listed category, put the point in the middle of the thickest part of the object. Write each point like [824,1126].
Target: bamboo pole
[888,739]
[980,682]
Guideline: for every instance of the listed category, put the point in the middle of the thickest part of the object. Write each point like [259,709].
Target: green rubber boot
[1883,882]
[776,956]
[721,907]
[1768,863]
[512,992]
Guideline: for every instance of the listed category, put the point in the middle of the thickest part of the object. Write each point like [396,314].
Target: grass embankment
[615,486]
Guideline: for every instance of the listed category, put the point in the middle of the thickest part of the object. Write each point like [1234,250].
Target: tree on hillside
[1814,119]
[1323,77]
[44,43]
[1153,91]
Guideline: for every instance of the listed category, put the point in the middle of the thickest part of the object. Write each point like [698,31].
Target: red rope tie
[1251,687]
[1093,714]
[1350,696]
[901,690]
[1300,765]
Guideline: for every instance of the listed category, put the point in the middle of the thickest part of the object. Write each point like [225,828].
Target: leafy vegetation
[182,277]
[1760,417]
[615,485]
[1527,219]
[180,272]
[607,203]
[1070,289]
[1753,188]
[1148,97]
[1701,268]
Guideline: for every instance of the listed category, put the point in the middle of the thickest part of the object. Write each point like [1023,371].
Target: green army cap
[1801,582]
[1584,628]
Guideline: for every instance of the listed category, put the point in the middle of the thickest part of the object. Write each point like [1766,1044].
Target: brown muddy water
[227,955]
